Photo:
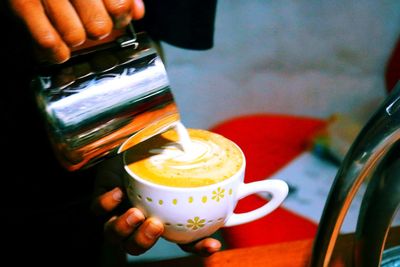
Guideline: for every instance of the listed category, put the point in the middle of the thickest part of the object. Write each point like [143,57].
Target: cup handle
[278,190]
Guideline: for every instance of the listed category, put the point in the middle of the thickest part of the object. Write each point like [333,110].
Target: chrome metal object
[373,158]
[95,101]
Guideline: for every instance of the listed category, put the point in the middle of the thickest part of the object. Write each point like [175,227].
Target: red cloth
[269,142]
[392,71]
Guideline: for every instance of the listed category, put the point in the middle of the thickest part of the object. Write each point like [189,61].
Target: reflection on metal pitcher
[94,102]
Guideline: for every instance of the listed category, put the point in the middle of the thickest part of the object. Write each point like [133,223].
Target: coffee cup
[193,188]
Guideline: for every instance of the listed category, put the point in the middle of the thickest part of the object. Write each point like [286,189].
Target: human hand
[57,26]
[126,226]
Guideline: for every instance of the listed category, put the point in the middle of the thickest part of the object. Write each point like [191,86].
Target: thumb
[108,201]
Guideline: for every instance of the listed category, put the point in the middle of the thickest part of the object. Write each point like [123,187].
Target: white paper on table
[310,178]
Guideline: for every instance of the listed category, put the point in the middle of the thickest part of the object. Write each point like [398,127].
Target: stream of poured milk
[183,135]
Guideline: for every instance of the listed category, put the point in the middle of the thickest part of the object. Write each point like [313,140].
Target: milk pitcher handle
[125,37]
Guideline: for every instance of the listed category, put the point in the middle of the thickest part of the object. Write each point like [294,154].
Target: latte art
[208,158]
[198,155]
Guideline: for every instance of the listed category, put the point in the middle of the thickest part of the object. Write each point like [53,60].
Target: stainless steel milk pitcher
[99,98]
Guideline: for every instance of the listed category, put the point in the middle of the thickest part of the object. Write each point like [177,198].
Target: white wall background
[304,57]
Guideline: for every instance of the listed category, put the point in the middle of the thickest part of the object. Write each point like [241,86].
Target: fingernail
[214,247]
[122,21]
[117,194]
[134,218]
[153,230]
[139,3]
[138,10]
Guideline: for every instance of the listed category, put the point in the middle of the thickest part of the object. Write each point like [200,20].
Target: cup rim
[195,188]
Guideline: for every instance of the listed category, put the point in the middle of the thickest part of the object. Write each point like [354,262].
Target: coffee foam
[208,158]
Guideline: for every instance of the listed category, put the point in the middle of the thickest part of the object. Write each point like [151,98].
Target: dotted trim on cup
[216,195]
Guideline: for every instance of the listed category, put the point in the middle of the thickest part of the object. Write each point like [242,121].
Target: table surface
[294,254]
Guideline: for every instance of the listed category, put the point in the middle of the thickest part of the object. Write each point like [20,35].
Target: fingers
[204,247]
[131,230]
[66,21]
[58,25]
[137,10]
[95,18]
[46,36]
[119,11]
[145,237]
[120,228]
[136,234]
[108,201]
[99,17]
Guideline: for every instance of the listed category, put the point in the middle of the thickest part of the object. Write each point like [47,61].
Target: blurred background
[304,57]
[313,58]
